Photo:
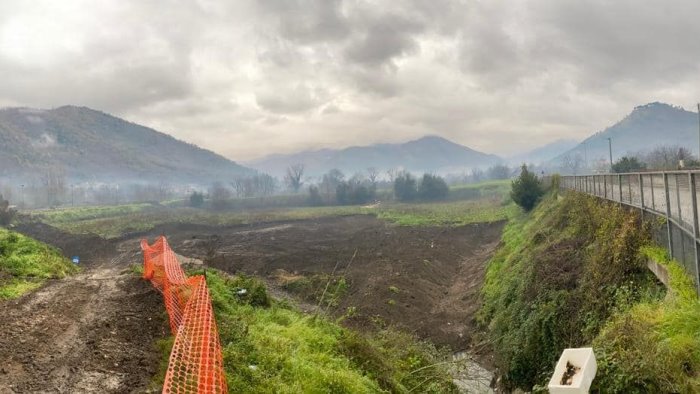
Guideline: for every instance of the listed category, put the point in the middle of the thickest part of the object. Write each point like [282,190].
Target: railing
[672,195]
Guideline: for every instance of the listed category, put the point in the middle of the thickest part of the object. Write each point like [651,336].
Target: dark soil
[92,332]
[424,279]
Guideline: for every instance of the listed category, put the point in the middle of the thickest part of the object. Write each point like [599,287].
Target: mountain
[88,145]
[645,128]
[428,154]
[544,153]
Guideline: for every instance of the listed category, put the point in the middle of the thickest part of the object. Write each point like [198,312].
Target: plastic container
[582,358]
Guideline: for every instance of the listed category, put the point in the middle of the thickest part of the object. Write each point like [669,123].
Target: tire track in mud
[92,332]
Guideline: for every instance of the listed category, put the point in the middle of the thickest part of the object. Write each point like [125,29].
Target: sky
[248,78]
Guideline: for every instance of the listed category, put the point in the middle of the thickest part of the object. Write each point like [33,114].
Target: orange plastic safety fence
[196,364]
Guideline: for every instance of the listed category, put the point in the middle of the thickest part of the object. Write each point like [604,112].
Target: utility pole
[699,130]
[610,149]
[22,196]
[585,154]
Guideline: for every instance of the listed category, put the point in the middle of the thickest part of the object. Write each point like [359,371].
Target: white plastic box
[582,358]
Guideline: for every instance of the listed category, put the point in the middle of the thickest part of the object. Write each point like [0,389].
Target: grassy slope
[570,274]
[270,346]
[26,263]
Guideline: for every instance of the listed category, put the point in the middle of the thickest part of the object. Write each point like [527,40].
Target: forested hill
[87,145]
[646,127]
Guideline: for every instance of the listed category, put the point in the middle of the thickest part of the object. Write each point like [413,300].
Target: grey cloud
[250,77]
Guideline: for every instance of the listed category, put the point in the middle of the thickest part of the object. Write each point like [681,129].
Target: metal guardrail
[672,195]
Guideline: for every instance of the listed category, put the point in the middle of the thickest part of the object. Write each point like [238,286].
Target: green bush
[526,189]
[196,200]
[433,187]
[405,187]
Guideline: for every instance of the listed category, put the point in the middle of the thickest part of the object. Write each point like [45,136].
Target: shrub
[526,190]
[196,199]
[628,164]
[405,188]
[6,213]
[433,187]
[315,198]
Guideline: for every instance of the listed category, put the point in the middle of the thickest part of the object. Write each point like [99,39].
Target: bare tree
[219,195]
[667,157]
[392,173]
[372,175]
[293,178]
[572,162]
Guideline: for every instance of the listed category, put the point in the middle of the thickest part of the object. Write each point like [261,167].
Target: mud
[437,271]
[92,332]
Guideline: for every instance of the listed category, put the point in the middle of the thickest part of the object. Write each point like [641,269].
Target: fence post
[641,194]
[653,200]
[694,201]
[619,187]
[668,215]
[605,186]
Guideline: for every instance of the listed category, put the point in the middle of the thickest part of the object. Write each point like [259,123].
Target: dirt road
[93,332]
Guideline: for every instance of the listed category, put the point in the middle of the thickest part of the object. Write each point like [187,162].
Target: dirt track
[93,332]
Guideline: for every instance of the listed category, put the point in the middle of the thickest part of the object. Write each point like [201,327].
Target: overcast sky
[248,78]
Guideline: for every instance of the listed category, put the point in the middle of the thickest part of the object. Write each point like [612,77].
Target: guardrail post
[641,195]
[629,188]
[694,201]
[619,187]
[653,200]
[605,186]
[668,216]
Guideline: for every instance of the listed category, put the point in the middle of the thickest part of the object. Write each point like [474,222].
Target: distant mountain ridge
[545,152]
[645,128]
[89,145]
[427,154]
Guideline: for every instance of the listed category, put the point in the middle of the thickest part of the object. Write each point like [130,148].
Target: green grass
[111,222]
[457,213]
[25,263]
[654,346]
[497,189]
[271,347]
[73,214]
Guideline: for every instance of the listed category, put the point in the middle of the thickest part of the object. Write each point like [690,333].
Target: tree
[293,178]
[356,190]
[668,157]
[219,196]
[433,187]
[6,213]
[329,184]
[477,175]
[405,186]
[499,171]
[572,162]
[196,199]
[628,164]
[373,175]
[314,196]
[526,189]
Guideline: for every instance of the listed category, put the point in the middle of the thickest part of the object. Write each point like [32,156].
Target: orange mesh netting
[196,364]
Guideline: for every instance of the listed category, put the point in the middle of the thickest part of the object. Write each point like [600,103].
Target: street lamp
[610,150]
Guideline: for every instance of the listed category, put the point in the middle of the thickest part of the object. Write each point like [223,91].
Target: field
[390,274]
[112,222]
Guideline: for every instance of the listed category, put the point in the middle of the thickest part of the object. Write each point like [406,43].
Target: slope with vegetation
[25,264]
[572,273]
[87,145]
[271,347]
